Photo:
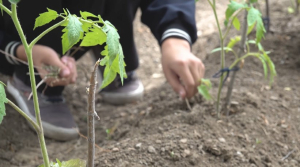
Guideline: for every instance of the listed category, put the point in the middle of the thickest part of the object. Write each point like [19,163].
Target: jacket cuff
[11,49]
[177,33]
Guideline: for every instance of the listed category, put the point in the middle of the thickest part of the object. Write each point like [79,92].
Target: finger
[174,81]
[72,66]
[196,75]
[185,75]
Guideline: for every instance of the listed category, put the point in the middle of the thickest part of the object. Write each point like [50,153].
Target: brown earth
[262,129]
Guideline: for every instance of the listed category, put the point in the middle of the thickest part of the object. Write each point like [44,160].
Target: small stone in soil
[183,140]
[139,145]
[151,149]
[115,149]
[221,139]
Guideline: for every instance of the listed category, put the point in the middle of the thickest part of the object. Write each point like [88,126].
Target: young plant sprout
[91,30]
[252,19]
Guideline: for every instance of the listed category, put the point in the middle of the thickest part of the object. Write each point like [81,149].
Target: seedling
[252,19]
[91,30]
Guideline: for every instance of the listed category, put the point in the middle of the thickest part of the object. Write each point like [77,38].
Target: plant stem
[45,32]
[91,116]
[35,126]
[240,51]
[33,84]
[222,57]
[5,9]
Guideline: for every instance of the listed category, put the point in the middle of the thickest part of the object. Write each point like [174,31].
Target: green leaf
[74,28]
[204,88]
[290,10]
[74,163]
[45,18]
[14,1]
[109,75]
[219,49]
[271,66]
[86,26]
[58,162]
[253,1]
[85,15]
[260,30]
[261,58]
[254,16]
[112,41]
[65,42]
[232,7]
[233,41]
[95,37]
[121,63]
[105,51]
[236,23]
[3,100]
[250,28]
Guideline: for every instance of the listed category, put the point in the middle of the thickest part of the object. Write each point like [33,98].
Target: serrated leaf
[74,163]
[95,37]
[74,28]
[236,23]
[14,1]
[219,49]
[45,18]
[260,30]
[121,63]
[250,28]
[85,15]
[233,41]
[204,88]
[109,76]
[104,61]
[261,58]
[271,66]
[232,7]
[105,51]
[65,42]
[3,100]
[253,15]
[112,41]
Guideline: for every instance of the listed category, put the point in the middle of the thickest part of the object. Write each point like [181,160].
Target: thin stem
[222,56]
[33,83]
[35,126]
[243,57]
[44,33]
[91,116]
[5,9]
[240,51]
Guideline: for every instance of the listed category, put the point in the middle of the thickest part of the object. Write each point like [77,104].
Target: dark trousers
[120,13]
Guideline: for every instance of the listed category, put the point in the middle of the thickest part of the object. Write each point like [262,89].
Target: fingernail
[66,72]
[182,94]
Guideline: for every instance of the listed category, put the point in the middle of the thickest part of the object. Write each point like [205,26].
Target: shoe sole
[50,131]
[125,98]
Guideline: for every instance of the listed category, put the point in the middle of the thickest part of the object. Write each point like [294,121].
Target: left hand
[182,69]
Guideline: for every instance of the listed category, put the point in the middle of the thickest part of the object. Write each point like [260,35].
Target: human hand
[182,69]
[45,56]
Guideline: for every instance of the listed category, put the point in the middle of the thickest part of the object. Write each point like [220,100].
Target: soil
[261,130]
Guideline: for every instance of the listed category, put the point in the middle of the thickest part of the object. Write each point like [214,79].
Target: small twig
[37,86]
[188,104]
[75,51]
[91,116]
[287,155]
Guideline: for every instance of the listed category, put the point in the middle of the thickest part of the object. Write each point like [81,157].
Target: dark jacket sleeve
[8,45]
[170,18]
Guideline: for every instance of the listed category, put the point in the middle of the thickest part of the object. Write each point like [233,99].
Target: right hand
[43,55]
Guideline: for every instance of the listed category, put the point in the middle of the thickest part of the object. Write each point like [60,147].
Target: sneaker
[131,91]
[57,120]
[115,93]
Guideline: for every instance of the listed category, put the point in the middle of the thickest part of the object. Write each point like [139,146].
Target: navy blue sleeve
[170,18]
